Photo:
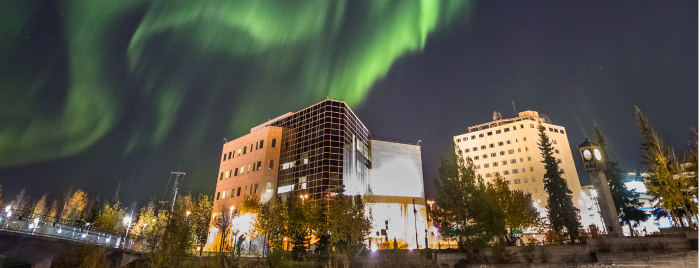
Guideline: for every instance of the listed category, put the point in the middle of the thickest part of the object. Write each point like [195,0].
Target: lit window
[248,168]
[538,201]
[239,151]
[242,169]
[233,191]
[268,187]
[516,181]
[228,174]
[259,164]
[528,190]
[224,195]
[245,191]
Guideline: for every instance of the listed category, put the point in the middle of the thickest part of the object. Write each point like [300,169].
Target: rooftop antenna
[418,143]
[225,140]
[516,113]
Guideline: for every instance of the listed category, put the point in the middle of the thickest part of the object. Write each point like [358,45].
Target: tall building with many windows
[319,152]
[509,147]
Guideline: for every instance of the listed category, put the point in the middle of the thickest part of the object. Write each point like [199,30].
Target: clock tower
[594,163]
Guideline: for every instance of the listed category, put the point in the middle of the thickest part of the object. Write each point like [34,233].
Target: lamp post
[303,198]
[127,222]
[594,163]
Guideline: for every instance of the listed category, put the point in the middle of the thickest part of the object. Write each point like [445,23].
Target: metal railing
[32,224]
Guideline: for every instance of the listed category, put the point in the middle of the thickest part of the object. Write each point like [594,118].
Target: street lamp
[127,222]
[187,215]
[303,197]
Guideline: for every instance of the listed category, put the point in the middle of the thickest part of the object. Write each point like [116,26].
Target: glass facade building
[324,147]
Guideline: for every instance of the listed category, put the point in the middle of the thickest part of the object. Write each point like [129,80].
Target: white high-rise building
[509,147]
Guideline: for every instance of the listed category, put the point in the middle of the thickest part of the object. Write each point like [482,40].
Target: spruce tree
[562,213]
[669,186]
[627,202]
[467,212]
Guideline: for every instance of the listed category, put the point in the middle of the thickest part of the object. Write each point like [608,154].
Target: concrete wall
[638,252]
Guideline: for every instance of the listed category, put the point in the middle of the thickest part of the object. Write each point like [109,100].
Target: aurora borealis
[97,91]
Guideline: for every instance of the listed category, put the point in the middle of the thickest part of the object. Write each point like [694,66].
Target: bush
[84,255]
[278,257]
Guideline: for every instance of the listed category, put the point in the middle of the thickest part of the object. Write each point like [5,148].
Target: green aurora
[175,71]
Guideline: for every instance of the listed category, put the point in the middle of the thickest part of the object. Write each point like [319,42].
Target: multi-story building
[319,152]
[509,147]
[590,212]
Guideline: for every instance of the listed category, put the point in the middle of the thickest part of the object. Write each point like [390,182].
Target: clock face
[587,154]
[597,154]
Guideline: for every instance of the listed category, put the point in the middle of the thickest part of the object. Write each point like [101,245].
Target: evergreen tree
[627,202]
[562,213]
[671,188]
[467,213]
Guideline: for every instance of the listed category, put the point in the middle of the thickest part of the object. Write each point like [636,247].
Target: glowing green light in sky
[297,51]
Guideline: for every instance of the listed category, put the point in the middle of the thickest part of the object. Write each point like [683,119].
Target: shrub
[545,255]
[84,255]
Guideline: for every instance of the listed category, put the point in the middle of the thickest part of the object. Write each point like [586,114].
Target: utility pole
[415,220]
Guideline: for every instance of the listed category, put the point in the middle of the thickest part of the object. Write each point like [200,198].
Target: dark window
[272,164]
[274,142]
[458,140]
[261,143]
[239,192]
[229,155]
[473,137]
[259,165]
[498,131]
[222,176]
[218,194]
[224,158]
[506,129]
[489,133]
[235,173]
[253,166]
[562,132]
[244,149]
[256,146]
[256,188]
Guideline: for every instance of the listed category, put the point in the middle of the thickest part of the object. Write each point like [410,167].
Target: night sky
[95,92]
